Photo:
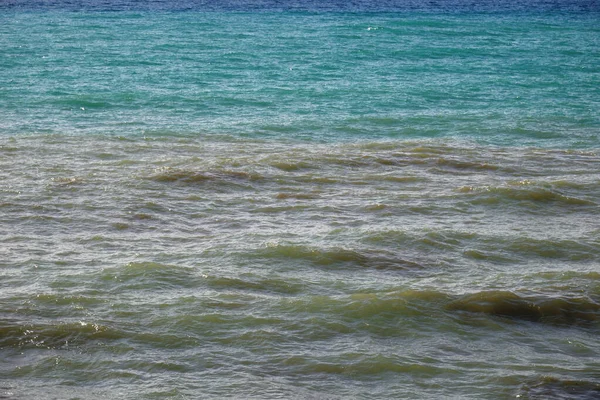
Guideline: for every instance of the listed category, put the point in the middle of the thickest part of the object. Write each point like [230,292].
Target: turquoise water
[299,200]
[511,79]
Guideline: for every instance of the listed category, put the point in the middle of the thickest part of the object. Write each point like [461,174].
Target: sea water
[326,200]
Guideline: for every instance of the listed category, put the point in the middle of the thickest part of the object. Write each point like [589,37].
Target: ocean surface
[299,199]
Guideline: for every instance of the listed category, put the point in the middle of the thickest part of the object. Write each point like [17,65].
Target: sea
[286,199]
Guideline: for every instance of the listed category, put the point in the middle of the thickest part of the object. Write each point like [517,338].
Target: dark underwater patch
[552,310]
[558,389]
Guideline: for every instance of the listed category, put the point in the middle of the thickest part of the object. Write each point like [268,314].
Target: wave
[374,365]
[547,309]
[570,250]
[146,275]
[362,307]
[291,166]
[520,248]
[255,320]
[413,305]
[548,387]
[269,285]
[296,196]
[338,256]
[559,276]
[67,181]
[61,335]
[495,195]
[493,248]
[192,177]
[458,164]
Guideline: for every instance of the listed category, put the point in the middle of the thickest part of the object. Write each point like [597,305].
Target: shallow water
[254,201]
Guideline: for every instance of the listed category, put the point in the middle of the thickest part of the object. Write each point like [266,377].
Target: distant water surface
[299,200]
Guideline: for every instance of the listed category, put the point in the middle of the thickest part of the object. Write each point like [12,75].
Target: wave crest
[556,310]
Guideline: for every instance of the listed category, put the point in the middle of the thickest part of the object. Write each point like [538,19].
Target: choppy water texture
[299,200]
